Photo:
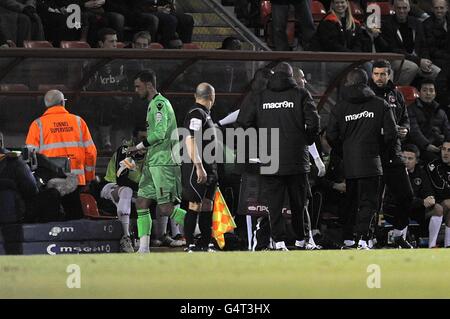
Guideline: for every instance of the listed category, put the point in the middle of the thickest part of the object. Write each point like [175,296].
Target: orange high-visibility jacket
[59,133]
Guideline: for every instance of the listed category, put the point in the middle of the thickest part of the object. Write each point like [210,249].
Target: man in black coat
[429,123]
[287,122]
[363,124]
[402,33]
[280,12]
[437,45]
[395,175]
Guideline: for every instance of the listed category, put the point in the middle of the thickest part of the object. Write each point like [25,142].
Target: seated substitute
[122,179]
[424,206]
[439,172]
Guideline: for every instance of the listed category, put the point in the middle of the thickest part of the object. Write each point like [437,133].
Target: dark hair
[356,76]
[382,64]
[261,78]
[147,76]
[139,128]
[412,148]
[284,67]
[426,81]
[231,43]
[142,34]
[102,33]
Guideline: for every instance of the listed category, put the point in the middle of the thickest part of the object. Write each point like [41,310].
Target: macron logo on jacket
[354,117]
[278,105]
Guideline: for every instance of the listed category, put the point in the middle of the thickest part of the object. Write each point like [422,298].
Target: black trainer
[400,242]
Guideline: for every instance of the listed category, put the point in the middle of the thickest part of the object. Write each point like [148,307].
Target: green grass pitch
[317,274]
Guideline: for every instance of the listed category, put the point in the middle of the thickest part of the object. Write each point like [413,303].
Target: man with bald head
[199,172]
[57,133]
[437,40]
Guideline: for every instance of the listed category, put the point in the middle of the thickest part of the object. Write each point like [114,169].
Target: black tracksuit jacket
[363,124]
[285,106]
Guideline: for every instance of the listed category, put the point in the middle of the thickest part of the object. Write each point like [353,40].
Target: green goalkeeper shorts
[160,183]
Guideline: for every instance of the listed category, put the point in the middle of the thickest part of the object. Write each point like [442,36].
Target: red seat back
[317,10]
[410,93]
[265,9]
[90,209]
[74,45]
[36,44]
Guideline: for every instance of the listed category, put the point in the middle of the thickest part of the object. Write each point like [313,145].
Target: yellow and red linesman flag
[223,222]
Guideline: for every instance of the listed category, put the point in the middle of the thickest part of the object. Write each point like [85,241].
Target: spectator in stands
[247,11]
[17,185]
[20,20]
[437,40]
[338,31]
[231,43]
[60,134]
[55,16]
[424,205]
[4,42]
[171,20]
[401,33]
[438,171]
[111,77]
[363,139]
[96,17]
[280,12]
[134,18]
[141,40]
[429,123]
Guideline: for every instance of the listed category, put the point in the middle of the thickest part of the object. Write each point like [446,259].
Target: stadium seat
[410,93]
[13,87]
[191,46]
[48,87]
[357,12]
[90,209]
[36,44]
[156,45]
[318,11]
[74,45]
[385,8]
[265,12]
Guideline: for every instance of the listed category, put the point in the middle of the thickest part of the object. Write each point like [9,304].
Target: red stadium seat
[156,45]
[90,209]
[265,9]
[74,45]
[410,93]
[36,44]
[385,8]
[191,46]
[357,12]
[318,11]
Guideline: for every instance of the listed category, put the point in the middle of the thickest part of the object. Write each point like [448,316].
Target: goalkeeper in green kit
[160,182]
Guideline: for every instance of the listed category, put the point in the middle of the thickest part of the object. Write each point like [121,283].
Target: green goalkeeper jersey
[161,128]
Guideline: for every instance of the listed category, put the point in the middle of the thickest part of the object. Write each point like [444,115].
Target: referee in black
[359,124]
[285,107]
[199,174]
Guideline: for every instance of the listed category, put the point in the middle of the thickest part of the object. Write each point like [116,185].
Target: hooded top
[363,124]
[285,107]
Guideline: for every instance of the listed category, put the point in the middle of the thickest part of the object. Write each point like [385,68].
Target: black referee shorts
[194,192]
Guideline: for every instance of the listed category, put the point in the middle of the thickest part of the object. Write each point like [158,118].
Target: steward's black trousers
[362,205]
[273,191]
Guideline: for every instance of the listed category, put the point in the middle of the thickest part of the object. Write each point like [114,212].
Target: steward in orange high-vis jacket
[58,133]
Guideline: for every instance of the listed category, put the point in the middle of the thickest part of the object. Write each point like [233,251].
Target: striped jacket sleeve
[32,141]
[90,152]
